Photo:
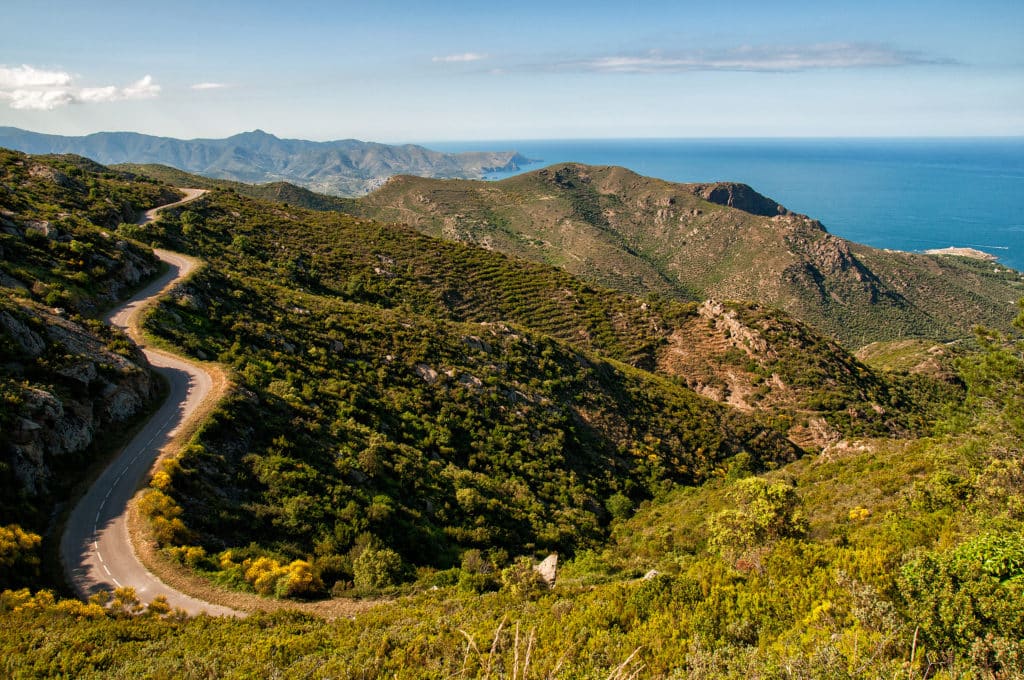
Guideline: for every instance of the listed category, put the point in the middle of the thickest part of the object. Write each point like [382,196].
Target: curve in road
[96,548]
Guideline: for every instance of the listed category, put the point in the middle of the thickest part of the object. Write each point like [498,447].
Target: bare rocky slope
[92,384]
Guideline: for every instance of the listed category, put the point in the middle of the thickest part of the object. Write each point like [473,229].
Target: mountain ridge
[338,167]
[691,241]
[720,240]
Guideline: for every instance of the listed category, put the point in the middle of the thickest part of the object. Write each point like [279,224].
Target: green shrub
[619,506]
[760,512]
[967,601]
[519,579]
[376,569]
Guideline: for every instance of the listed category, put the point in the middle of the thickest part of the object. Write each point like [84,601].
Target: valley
[429,389]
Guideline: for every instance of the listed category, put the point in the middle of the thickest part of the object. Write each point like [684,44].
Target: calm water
[902,194]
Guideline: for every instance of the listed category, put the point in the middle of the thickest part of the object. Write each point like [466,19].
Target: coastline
[973,253]
[901,194]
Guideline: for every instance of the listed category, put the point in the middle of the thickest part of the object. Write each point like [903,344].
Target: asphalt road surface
[96,548]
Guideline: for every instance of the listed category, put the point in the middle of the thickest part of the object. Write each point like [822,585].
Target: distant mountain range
[342,168]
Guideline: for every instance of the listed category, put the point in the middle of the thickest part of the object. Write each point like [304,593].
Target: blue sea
[903,194]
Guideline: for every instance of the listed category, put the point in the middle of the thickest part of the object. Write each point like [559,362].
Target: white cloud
[30,88]
[98,94]
[208,86]
[143,88]
[25,76]
[765,58]
[459,58]
[37,99]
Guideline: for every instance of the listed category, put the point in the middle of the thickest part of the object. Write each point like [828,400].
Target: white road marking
[181,412]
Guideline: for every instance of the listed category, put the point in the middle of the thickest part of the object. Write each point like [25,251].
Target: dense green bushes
[966,602]
[429,424]
[374,409]
[433,437]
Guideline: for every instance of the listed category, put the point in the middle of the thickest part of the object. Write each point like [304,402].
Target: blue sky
[416,71]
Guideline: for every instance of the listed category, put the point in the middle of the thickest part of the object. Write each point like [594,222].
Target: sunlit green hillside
[414,422]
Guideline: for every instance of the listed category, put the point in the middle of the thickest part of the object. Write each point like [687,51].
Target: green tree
[967,602]
[760,512]
[376,568]
[619,506]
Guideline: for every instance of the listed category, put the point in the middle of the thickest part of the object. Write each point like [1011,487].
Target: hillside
[423,419]
[395,267]
[638,234]
[457,398]
[753,358]
[445,411]
[887,559]
[281,192]
[344,167]
[757,359]
[68,383]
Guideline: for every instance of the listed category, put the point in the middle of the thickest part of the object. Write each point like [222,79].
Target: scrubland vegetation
[420,421]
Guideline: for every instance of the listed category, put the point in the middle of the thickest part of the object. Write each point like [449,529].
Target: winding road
[96,548]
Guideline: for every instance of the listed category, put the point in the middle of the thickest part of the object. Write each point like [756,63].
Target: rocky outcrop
[742,336]
[26,340]
[547,570]
[49,174]
[116,267]
[66,386]
[739,196]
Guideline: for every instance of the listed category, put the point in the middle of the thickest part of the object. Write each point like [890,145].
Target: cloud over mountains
[27,87]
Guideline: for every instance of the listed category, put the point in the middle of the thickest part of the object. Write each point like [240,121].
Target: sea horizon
[447,142]
[901,193]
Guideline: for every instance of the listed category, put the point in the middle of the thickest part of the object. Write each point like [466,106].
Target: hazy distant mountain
[344,168]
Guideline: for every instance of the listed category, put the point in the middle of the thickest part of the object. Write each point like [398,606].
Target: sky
[445,71]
